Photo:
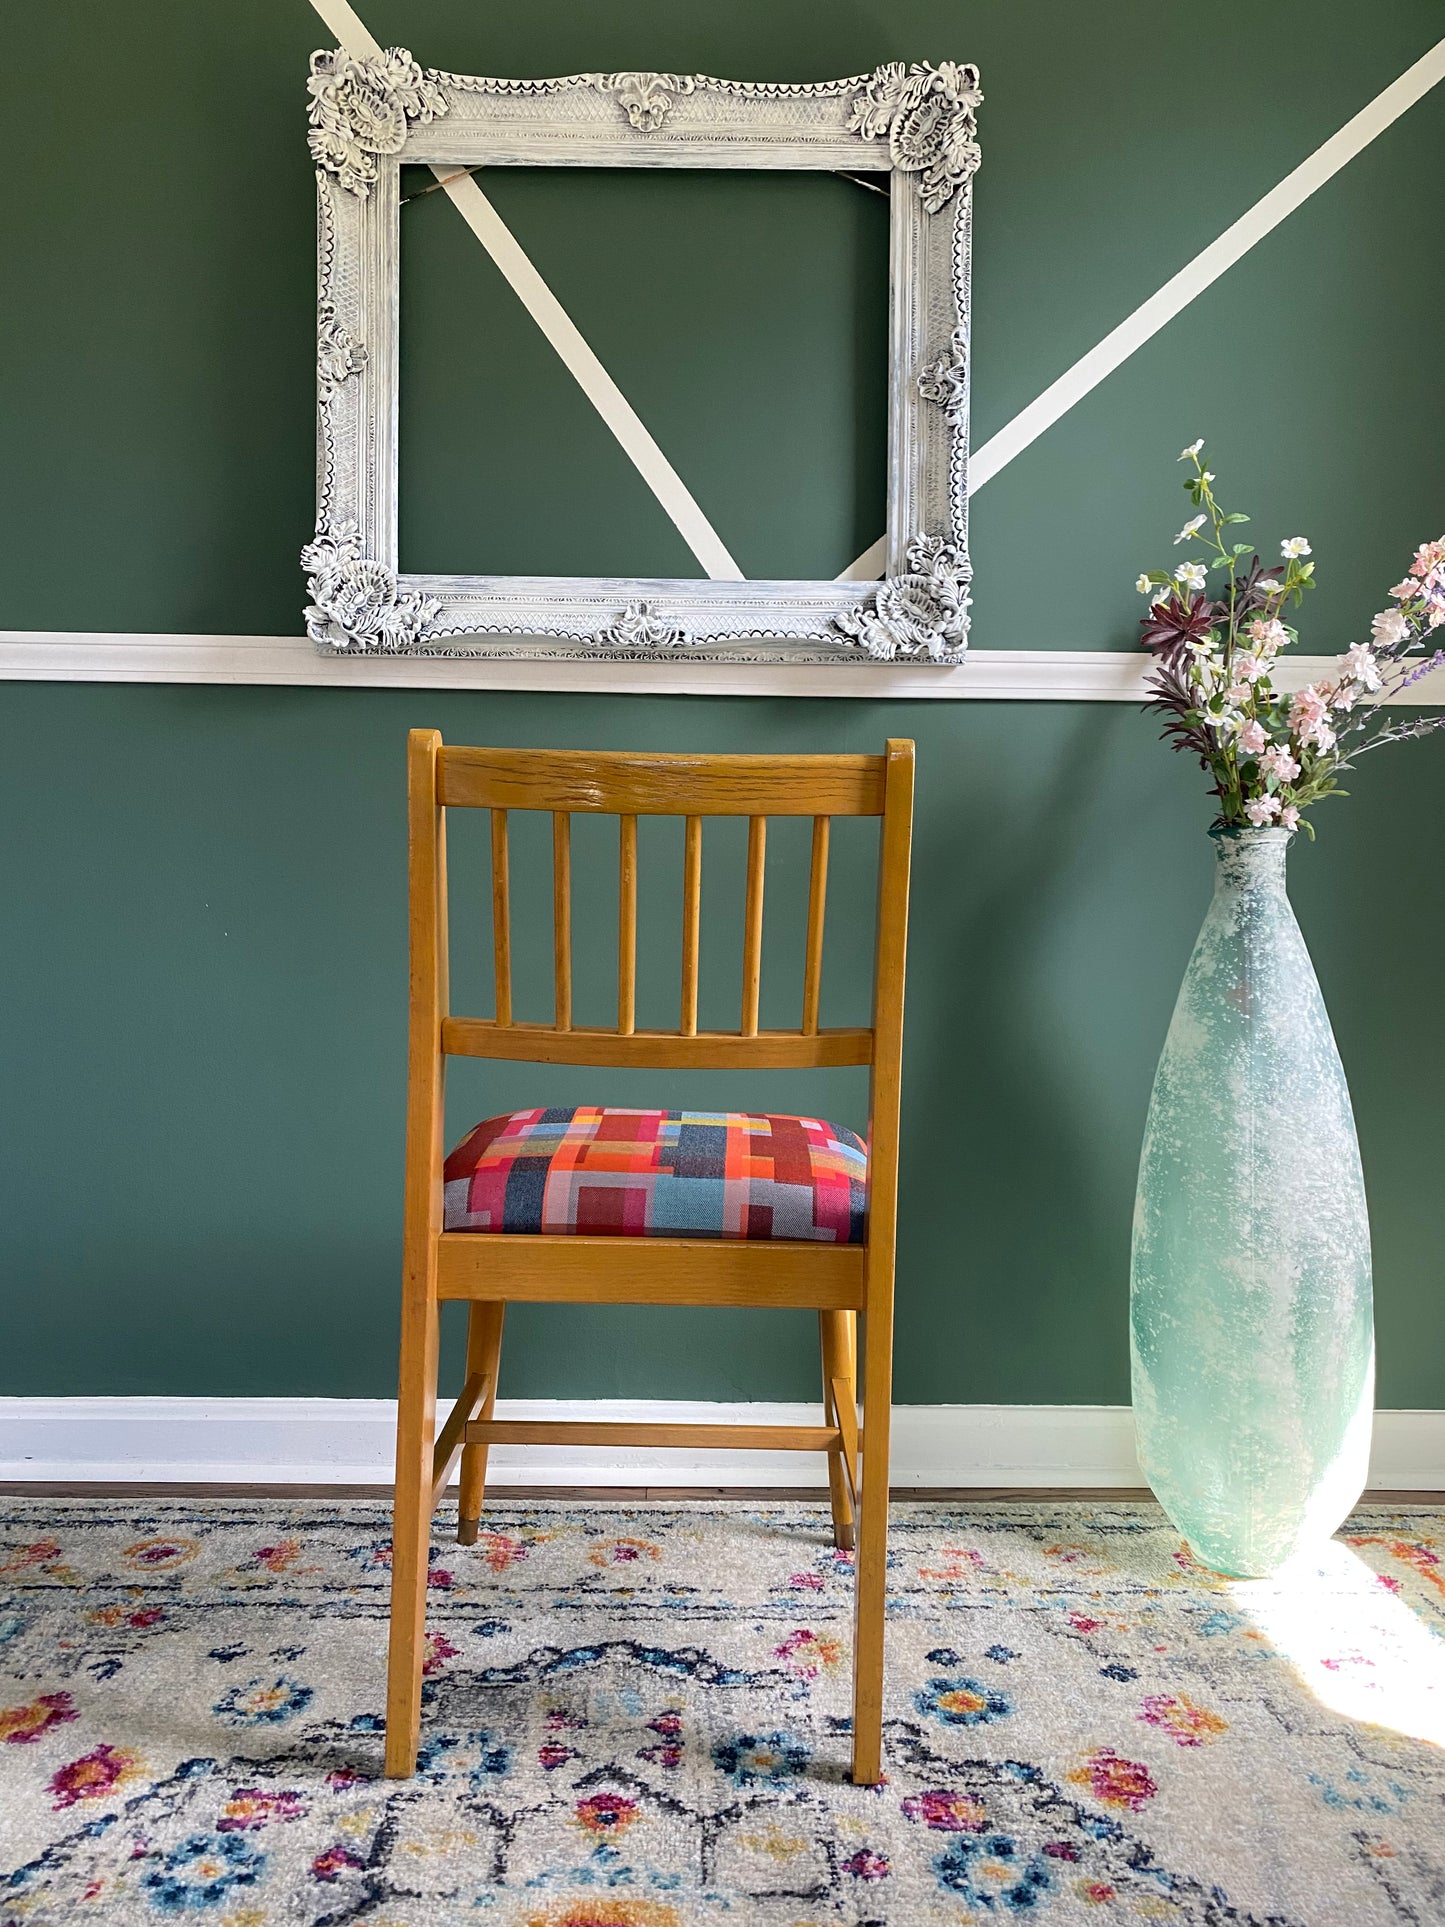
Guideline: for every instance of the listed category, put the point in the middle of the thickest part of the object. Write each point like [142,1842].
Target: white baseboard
[321,1441]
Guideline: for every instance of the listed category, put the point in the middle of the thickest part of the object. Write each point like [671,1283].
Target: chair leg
[484,1351]
[838,1331]
[871,1585]
[411,1534]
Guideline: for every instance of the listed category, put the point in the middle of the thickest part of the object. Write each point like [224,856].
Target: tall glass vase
[1251,1318]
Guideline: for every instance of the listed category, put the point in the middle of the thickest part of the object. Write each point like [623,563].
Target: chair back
[569,782]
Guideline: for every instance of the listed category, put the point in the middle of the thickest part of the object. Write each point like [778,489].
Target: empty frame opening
[743,315]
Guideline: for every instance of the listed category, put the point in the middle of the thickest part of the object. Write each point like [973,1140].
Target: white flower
[1252,738]
[1143,585]
[1193,449]
[1272,584]
[1387,628]
[1289,817]
[1294,545]
[1191,527]
[1161,594]
[1262,810]
[1207,475]
[1360,665]
[1278,763]
[1190,574]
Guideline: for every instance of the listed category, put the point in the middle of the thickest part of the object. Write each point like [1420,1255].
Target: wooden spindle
[501,918]
[817,899]
[691,921]
[562,916]
[627,928]
[753,923]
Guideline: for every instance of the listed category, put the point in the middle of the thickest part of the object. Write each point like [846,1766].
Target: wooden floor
[633,1494]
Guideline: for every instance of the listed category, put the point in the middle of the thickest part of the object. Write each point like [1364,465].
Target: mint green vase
[1250,1315]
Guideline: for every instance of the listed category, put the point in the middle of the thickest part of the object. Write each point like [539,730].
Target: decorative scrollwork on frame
[927,116]
[339,355]
[356,604]
[945,380]
[923,612]
[362,108]
[639,627]
[646,99]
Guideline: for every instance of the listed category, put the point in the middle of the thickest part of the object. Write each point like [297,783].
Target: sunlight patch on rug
[1357,1645]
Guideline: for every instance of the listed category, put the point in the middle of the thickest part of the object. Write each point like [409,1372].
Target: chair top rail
[646,785]
[657,1049]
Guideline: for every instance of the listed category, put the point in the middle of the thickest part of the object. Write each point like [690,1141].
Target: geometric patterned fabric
[598,1172]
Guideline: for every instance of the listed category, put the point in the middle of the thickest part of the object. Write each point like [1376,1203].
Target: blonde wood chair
[491,1269]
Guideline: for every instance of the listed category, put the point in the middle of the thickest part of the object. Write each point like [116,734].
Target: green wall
[202,889]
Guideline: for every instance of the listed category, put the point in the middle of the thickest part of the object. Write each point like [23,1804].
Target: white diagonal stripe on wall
[348,29]
[561,331]
[868,567]
[1176,294]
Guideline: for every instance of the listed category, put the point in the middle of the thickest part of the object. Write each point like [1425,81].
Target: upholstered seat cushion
[660,1174]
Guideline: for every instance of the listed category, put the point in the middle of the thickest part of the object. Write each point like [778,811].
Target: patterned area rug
[637,1717]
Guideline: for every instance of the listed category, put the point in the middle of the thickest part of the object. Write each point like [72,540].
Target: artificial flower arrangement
[1272,755]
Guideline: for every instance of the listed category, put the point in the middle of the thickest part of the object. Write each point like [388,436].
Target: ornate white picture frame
[369,117]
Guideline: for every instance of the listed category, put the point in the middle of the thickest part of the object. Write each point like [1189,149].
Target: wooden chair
[489,1269]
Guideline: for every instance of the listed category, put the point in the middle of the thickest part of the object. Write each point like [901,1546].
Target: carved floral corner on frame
[368,116]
